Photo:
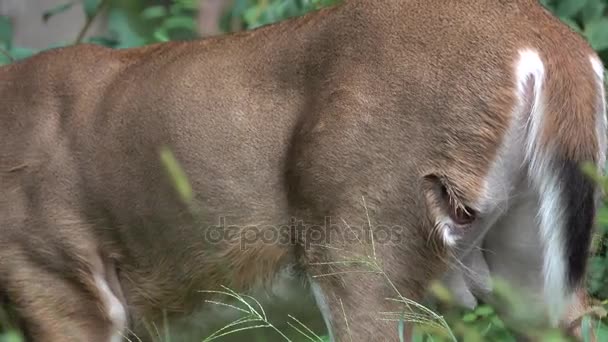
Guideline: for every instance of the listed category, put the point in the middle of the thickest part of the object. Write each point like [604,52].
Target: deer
[361,151]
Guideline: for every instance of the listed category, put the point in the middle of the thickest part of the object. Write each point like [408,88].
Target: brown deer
[362,149]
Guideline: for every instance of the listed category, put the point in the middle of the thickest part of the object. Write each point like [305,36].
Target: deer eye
[459,213]
[462,215]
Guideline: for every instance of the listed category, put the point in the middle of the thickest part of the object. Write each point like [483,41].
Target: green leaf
[177,175]
[469,317]
[441,292]
[251,16]
[569,8]
[602,216]
[21,53]
[602,332]
[597,34]
[181,22]
[188,4]
[11,336]
[154,12]
[120,27]
[104,41]
[161,35]
[90,7]
[484,310]
[5,58]
[593,10]
[6,31]
[497,322]
[46,15]
[553,336]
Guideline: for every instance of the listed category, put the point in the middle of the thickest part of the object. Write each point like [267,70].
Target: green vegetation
[140,22]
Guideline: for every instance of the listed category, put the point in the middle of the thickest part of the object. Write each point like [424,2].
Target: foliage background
[138,22]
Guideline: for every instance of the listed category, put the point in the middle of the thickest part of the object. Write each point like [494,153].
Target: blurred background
[29,26]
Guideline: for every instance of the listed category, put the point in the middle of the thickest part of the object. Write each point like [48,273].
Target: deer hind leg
[59,287]
[52,307]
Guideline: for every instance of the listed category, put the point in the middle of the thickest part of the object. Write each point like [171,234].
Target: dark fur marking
[579,198]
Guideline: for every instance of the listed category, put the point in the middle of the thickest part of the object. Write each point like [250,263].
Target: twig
[11,59]
[89,21]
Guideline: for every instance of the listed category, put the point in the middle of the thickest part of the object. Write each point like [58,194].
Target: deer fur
[364,118]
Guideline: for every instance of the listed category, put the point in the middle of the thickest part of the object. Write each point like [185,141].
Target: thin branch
[11,59]
[90,20]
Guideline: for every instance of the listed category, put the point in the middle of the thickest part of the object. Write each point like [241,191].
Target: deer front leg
[364,278]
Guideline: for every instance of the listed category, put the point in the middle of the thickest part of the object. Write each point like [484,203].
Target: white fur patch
[114,309]
[323,306]
[545,182]
[449,238]
[601,115]
[447,233]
